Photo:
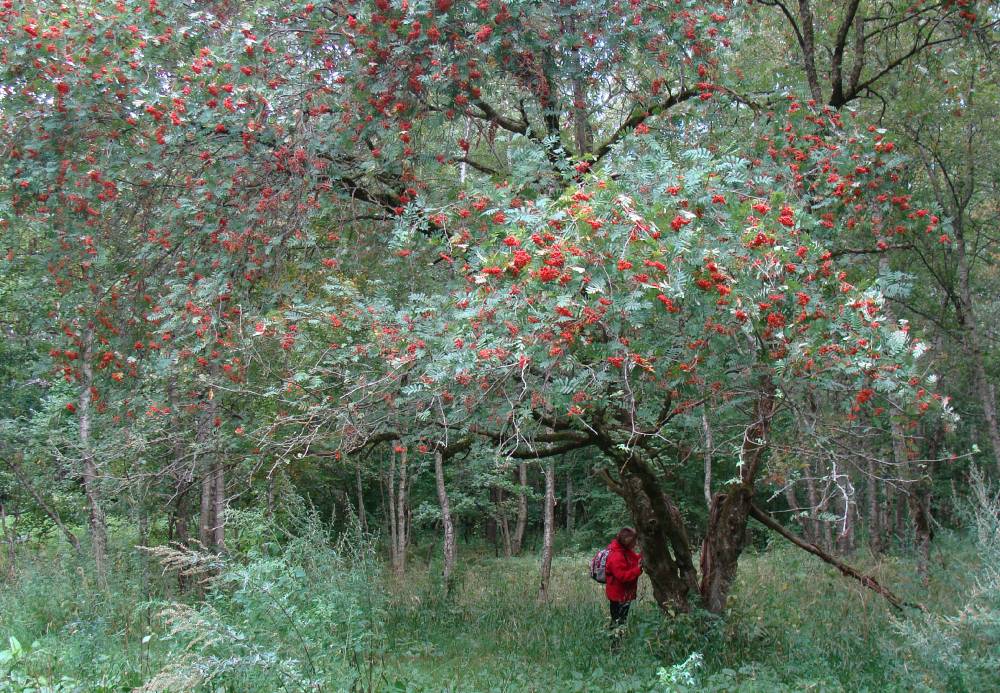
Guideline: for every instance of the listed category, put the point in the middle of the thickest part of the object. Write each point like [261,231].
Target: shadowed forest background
[338,336]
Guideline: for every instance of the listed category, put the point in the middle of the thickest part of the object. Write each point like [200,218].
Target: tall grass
[296,609]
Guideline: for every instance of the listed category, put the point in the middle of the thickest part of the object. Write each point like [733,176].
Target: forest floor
[303,619]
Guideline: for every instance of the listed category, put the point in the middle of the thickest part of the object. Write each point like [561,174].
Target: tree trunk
[450,550]
[398,511]
[727,534]
[402,511]
[920,506]
[178,527]
[491,521]
[724,542]
[522,509]
[570,510]
[211,531]
[667,557]
[973,344]
[390,508]
[206,523]
[10,535]
[902,511]
[876,538]
[218,503]
[548,531]
[847,508]
[709,450]
[793,505]
[503,523]
[362,515]
[91,473]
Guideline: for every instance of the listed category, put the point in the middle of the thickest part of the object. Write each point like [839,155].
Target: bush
[301,615]
[960,650]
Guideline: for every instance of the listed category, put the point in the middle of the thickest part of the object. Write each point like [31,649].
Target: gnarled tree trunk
[727,520]
[666,550]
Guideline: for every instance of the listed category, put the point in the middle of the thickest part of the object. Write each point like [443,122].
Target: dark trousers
[619,612]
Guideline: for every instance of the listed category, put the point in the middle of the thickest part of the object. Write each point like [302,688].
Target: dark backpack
[598,566]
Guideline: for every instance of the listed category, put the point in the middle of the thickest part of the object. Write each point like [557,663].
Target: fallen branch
[866,580]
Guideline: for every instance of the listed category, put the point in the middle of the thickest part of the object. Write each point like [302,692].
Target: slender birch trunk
[548,531]
[450,549]
[10,535]
[570,511]
[91,473]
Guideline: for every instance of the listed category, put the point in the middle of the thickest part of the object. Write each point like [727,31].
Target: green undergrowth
[304,610]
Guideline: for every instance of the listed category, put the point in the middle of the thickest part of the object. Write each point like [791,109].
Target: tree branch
[837,66]
[845,569]
[638,117]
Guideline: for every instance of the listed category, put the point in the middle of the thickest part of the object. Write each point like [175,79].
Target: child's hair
[624,534]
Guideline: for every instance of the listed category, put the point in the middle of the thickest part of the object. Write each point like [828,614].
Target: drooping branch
[845,569]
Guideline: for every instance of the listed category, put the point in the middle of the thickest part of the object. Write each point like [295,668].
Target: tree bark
[402,511]
[178,527]
[210,528]
[398,511]
[450,549]
[793,506]
[808,45]
[504,524]
[973,343]
[570,510]
[876,538]
[11,537]
[522,509]
[726,536]
[218,503]
[91,472]
[667,556]
[491,521]
[920,505]
[709,450]
[206,522]
[362,514]
[390,507]
[548,531]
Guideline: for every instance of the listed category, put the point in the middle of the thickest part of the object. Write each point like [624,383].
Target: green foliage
[297,616]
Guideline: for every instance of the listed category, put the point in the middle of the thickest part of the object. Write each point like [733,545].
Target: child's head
[626,537]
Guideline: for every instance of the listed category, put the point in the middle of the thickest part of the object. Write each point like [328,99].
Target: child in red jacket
[622,575]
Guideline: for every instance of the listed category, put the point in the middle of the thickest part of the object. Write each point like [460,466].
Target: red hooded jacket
[622,573]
